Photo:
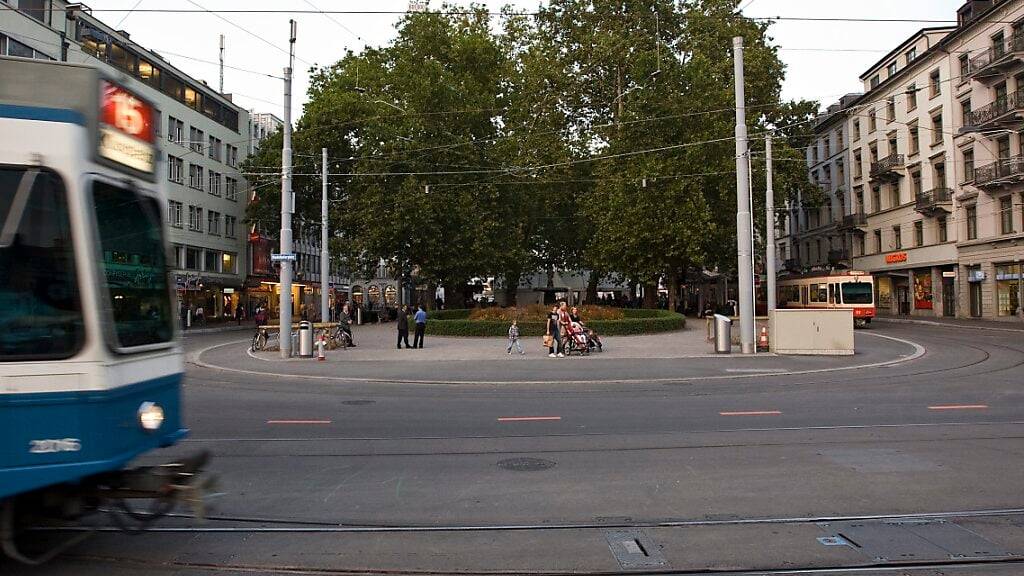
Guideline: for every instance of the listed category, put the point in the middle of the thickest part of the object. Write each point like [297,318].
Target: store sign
[949,274]
[895,257]
[127,135]
[976,276]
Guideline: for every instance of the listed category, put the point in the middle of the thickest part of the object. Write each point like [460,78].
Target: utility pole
[221,63]
[288,258]
[769,229]
[744,267]
[325,260]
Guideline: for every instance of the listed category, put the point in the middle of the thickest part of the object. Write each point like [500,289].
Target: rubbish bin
[305,339]
[359,316]
[723,334]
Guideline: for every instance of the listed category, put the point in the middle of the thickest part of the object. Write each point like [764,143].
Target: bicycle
[259,340]
[340,337]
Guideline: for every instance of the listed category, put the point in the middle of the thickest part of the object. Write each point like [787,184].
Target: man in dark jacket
[403,327]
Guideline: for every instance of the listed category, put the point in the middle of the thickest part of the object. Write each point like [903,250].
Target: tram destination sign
[127,135]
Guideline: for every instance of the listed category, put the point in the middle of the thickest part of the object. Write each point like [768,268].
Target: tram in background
[842,289]
[90,365]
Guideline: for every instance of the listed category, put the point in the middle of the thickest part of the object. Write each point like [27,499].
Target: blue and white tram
[90,365]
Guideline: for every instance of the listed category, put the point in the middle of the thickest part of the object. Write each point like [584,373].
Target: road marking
[298,421]
[752,413]
[527,418]
[755,370]
[959,407]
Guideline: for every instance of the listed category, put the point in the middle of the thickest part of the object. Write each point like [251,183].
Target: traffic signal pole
[744,253]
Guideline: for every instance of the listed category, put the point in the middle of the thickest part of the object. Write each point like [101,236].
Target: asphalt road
[700,465]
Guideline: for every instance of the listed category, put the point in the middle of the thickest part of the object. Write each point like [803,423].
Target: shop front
[913,282]
[1008,289]
[994,277]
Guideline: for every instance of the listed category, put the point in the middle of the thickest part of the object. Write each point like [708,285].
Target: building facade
[204,139]
[261,126]
[933,204]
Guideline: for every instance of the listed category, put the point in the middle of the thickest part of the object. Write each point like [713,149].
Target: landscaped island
[607,321]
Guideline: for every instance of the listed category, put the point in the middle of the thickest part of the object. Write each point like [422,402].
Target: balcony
[1006,112]
[887,169]
[854,222]
[935,202]
[837,257]
[993,62]
[791,264]
[1000,173]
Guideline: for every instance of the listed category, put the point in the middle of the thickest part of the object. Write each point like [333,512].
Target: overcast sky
[824,59]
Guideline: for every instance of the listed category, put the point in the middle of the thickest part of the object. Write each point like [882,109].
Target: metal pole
[769,234]
[325,261]
[745,272]
[286,204]
[221,63]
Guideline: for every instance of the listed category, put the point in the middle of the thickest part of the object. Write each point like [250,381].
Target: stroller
[576,340]
[593,340]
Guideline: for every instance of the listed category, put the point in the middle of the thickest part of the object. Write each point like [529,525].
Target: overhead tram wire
[217,13]
[332,19]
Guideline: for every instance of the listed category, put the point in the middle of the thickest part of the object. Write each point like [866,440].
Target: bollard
[723,334]
[321,345]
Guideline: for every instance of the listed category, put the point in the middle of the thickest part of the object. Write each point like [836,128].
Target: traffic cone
[321,355]
[762,340]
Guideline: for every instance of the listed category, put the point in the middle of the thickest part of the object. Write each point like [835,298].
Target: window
[210,261]
[229,226]
[939,175]
[179,256]
[856,128]
[872,122]
[890,70]
[192,258]
[911,54]
[968,165]
[919,233]
[876,198]
[35,8]
[878,241]
[193,98]
[174,210]
[890,108]
[935,82]
[858,195]
[175,167]
[227,260]
[857,292]
[231,189]
[943,233]
[195,137]
[839,137]
[1006,215]
[195,218]
[965,67]
[232,156]
[214,182]
[42,314]
[972,222]
[894,193]
[915,186]
[828,147]
[195,176]
[911,97]
[214,148]
[857,164]
[148,73]
[175,130]
[937,129]
[132,244]
[874,81]
[213,222]
[1003,148]
[998,45]
[897,238]
[965,112]
[915,140]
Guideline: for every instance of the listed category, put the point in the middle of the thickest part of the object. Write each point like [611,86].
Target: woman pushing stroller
[593,340]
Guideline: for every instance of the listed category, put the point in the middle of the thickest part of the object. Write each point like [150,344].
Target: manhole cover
[525,464]
[357,402]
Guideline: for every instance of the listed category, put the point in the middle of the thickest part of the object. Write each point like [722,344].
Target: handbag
[548,340]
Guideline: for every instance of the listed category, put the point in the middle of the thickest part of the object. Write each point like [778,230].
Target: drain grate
[525,464]
[358,402]
[911,541]
[633,548]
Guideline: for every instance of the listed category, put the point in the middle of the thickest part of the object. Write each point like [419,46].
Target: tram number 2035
[50,446]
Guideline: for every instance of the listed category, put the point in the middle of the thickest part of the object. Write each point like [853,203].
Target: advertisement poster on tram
[923,291]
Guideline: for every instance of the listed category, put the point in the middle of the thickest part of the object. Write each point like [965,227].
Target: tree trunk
[512,288]
[431,297]
[673,290]
[650,295]
[591,297]
[454,298]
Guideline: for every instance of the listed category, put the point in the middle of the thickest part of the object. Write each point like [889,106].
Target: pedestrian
[238,315]
[403,327]
[200,316]
[345,323]
[421,327]
[513,338]
[553,334]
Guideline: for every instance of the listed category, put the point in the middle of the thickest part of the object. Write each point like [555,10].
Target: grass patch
[617,322]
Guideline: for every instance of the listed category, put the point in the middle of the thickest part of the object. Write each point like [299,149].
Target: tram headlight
[151,416]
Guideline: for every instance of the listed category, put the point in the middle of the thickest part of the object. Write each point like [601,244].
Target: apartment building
[204,139]
[261,126]
[988,52]
[812,234]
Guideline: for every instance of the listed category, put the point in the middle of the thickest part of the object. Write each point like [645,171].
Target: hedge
[457,323]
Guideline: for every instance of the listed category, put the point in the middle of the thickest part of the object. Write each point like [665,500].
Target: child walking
[513,338]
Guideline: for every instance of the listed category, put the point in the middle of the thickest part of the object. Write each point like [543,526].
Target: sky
[824,59]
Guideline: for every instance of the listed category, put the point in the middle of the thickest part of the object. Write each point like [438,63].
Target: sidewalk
[1015,325]
[219,328]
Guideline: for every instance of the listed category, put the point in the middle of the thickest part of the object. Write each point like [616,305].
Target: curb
[195,358]
[946,324]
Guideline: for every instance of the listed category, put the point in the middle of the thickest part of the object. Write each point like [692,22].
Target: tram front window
[134,267]
[857,292]
[40,311]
